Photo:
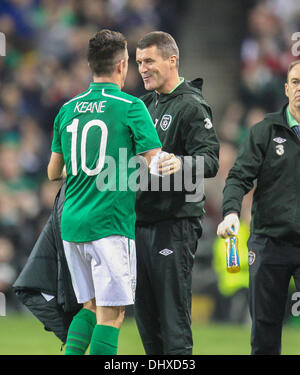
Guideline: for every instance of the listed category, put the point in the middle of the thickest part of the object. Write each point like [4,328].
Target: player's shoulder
[260,126]
[270,120]
[265,125]
[261,131]
[69,105]
[189,95]
[194,105]
[136,103]
[75,98]
[120,97]
[130,99]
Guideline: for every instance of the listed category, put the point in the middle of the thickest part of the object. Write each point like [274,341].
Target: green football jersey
[98,132]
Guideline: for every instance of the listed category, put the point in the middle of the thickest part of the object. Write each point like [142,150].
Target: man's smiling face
[153,68]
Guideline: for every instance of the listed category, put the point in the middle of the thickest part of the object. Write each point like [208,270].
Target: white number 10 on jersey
[102,150]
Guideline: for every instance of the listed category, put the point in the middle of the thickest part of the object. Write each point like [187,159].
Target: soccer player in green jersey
[98,225]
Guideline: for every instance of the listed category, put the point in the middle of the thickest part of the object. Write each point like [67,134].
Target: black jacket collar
[278,118]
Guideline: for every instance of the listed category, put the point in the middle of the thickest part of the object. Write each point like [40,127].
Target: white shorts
[104,269]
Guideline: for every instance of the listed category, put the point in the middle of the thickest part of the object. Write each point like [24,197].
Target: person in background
[271,156]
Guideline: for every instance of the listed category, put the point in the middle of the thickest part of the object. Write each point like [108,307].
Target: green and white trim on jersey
[89,129]
[79,97]
[178,84]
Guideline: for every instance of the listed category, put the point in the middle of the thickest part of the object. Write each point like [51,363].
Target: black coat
[46,271]
[270,155]
[183,122]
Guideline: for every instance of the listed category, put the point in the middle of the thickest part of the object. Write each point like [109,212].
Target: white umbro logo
[279,140]
[166,252]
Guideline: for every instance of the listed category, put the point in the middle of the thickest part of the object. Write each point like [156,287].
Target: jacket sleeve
[200,139]
[246,168]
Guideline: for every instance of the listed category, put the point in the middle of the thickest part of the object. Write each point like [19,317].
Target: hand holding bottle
[229,226]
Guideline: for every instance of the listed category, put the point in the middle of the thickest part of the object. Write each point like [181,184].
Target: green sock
[80,332]
[104,340]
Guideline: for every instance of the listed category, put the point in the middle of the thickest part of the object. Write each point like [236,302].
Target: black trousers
[165,257]
[274,262]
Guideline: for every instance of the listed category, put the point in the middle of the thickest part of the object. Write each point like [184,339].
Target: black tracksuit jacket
[183,122]
[270,155]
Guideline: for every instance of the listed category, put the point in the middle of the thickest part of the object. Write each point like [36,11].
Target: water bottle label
[232,253]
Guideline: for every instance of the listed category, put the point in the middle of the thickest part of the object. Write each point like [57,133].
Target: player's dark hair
[292,64]
[164,42]
[104,50]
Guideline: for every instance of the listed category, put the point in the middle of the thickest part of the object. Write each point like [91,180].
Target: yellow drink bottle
[232,254]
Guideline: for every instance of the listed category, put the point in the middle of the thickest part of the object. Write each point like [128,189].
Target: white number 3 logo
[208,123]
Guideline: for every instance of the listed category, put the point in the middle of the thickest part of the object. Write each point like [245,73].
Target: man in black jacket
[270,155]
[168,223]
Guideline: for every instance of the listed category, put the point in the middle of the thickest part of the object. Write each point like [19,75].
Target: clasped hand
[168,164]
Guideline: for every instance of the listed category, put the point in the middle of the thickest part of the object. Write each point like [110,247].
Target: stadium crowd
[45,65]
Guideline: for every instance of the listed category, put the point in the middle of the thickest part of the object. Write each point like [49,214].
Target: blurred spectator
[265,56]
[266,53]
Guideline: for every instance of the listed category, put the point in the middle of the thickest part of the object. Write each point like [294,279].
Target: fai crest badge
[165,122]
[251,257]
[279,150]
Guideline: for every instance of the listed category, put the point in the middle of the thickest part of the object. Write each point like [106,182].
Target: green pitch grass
[24,334]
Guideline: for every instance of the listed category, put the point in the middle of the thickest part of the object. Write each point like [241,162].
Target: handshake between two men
[164,164]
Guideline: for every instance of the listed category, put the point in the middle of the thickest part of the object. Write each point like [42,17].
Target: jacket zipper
[156,104]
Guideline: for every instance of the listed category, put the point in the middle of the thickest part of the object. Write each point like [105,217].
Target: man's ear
[173,60]
[286,89]
[119,66]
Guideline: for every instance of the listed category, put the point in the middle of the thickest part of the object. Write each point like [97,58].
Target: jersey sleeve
[56,141]
[142,127]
